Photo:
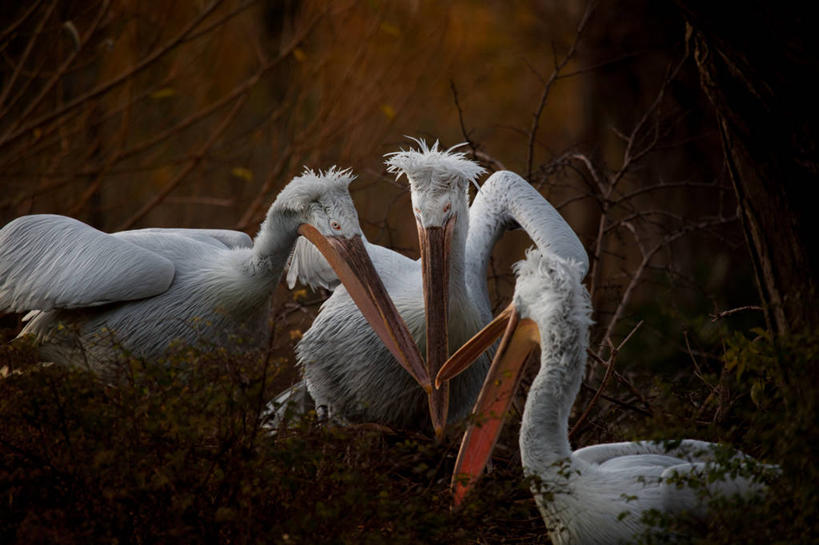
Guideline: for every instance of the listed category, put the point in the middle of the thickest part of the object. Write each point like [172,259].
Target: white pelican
[346,369]
[94,294]
[597,494]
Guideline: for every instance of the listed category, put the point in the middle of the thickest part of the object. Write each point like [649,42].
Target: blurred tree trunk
[758,64]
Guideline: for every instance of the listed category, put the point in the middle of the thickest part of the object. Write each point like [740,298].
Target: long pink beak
[520,338]
[435,243]
[352,264]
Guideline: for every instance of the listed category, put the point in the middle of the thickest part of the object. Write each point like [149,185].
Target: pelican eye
[335,225]
[447,207]
[417,210]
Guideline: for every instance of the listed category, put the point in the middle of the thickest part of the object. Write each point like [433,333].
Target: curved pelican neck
[274,242]
[544,433]
[457,254]
[505,199]
[562,316]
[487,222]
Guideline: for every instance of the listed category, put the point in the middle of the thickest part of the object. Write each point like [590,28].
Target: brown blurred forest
[128,115]
[196,113]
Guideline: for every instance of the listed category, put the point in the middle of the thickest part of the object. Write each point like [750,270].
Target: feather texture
[433,168]
[598,494]
[311,186]
[344,367]
[95,295]
[50,262]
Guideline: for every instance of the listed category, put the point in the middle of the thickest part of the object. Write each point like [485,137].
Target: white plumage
[95,294]
[597,494]
[351,374]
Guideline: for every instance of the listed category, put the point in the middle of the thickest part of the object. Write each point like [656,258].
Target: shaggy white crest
[312,185]
[434,166]
[544,277]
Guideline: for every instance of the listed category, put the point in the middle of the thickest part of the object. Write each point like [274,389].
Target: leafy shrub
[774,417]
[179,452]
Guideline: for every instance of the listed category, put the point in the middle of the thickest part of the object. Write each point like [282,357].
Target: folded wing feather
[55,262]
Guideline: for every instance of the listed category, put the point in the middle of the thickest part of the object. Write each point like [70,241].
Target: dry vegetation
[127,114]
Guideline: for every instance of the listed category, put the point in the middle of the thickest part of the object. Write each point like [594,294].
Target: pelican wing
[693,486]
[50,262]
[218,237]
[640,464]
[686,449]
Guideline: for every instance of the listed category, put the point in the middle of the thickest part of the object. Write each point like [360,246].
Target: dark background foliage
[677,138]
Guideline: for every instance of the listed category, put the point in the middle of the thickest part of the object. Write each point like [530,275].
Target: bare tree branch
[192,164]
[547,86]
[12,134]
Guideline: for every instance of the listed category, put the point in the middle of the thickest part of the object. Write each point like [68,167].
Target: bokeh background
[195,113]
[127,115]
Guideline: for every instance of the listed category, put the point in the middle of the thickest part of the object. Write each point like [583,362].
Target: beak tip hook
[439,432]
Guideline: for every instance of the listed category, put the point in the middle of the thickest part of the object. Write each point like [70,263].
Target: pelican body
[94,295]
[597,494]
[344,368]
[443,296]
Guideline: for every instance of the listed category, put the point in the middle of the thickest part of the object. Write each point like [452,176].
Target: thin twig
[26,52]
[609,370]
[132,71]
[724,313]
[464,132]
[13,26]
[60,72]
[194,161]
[547,86]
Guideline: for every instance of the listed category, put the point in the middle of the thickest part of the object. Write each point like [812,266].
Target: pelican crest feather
[312,185]
[562,274]
[434,167]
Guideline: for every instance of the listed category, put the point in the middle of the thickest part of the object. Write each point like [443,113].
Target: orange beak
[435,243]
[352,264]
[520,338]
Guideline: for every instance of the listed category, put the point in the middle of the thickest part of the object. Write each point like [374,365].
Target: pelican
[597,494]
[94,294]
[442,297]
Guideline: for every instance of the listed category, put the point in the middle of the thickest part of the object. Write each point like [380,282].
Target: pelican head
[322,199]
[544,281]
[439,182]
[320,203]
[438,179]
